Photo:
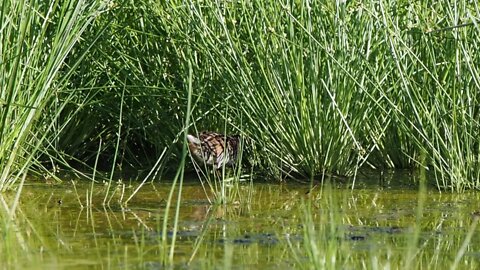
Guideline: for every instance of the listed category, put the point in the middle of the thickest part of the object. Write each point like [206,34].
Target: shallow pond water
[267,227]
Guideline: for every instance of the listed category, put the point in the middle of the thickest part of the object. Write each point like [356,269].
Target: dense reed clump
[316,87]
[36,38]
[133,86]
[334,86]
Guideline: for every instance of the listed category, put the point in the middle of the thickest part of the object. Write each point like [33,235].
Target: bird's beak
[192,139]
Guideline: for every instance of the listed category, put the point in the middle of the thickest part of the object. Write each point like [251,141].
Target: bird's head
[195,146]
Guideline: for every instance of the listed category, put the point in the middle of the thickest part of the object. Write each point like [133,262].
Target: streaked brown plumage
[214,148]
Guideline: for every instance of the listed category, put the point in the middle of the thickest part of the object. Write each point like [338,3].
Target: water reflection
[263,231]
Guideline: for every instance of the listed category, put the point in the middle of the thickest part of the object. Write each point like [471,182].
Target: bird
[214,149]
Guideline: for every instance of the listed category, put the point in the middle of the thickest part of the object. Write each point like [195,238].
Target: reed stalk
[36,39]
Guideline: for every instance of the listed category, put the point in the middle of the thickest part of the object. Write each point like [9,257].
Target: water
[264,227]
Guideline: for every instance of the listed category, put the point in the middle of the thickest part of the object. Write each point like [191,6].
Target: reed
[36,39]
[318,88]
[330,88]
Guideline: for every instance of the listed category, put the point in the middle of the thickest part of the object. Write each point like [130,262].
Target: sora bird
[214,149]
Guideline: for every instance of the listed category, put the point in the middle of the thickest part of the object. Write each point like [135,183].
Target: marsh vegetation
[322,91]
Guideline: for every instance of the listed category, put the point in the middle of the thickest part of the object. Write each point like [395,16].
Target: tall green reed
[434,80]
[300,109]
[36,39]
[178,180]
[132,64]
[332,87]
[316,87]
